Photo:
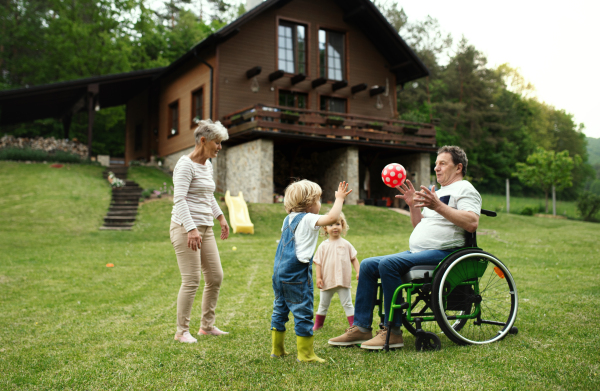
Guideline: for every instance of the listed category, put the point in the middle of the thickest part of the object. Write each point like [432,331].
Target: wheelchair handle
[489,213]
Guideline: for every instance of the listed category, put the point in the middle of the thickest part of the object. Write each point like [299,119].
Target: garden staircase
[124,204]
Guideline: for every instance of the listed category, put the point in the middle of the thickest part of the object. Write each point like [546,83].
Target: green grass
[149,177]
[69,322]
[497,203]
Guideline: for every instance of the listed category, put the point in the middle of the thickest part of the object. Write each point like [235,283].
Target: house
[306,88]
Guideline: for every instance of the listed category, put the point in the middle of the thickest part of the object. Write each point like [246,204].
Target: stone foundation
[249,169]
[172,159]
[342,166]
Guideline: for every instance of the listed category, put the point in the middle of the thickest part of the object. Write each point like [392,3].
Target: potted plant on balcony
[290,115]
[235,119]
[334,120]
[376,125]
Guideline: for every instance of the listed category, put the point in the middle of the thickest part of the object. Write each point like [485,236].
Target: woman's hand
[407,193]
[224,227]
[194,239]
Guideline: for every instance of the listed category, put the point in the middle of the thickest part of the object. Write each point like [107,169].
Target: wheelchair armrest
[488,213]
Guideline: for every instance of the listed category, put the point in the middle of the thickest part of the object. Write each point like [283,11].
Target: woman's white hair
[210,131]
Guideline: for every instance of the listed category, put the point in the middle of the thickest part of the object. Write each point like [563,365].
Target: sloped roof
[56,99]
[404,63]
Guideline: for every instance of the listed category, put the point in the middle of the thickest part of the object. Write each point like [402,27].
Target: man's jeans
[389,268]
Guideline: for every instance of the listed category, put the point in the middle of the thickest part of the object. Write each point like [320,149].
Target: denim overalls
[292,284]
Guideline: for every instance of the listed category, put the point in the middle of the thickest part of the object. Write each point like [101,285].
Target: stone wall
[172,159]
[249,169]
[343,166]
[45,144]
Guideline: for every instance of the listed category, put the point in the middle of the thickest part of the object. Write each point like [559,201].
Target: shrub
[528,211]
[147,193]
[135,163]
[588,205]
[37,155]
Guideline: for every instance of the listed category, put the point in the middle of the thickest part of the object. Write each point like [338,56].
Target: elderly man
[438,230]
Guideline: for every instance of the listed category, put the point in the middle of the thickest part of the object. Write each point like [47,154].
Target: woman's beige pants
[191,265]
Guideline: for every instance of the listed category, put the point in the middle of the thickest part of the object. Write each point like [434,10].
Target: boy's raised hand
[342,190]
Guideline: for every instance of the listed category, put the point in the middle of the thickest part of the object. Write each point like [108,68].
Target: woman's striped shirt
[194,202]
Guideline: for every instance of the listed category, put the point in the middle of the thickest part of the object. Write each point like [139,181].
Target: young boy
[292,273]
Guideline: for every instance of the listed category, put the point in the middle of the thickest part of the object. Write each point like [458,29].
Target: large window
[173,119]
[331,55]
[293,99]
[336,105]
[292,47]
[197,105]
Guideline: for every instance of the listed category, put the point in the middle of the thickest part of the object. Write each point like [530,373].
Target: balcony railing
[328,125]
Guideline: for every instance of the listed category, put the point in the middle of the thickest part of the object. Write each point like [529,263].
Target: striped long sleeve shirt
[194,202]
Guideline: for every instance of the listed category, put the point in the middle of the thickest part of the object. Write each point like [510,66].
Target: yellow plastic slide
[238,214]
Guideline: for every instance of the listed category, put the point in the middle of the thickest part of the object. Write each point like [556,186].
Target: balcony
[278,121]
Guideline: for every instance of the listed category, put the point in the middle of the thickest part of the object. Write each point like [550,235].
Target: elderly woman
[191,230]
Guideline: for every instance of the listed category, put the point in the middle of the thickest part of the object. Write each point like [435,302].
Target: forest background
[491,112]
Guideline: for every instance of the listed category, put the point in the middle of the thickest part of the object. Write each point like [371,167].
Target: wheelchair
[470,297]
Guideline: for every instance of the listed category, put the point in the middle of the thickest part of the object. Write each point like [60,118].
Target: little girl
[292,272]
[333,259]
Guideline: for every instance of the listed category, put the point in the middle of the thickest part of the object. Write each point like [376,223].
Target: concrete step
[123,207]
[124,213]
[118,219]
[126,197]
[127,228]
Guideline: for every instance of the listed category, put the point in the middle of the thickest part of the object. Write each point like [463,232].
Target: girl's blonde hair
[300,195]
[345,226]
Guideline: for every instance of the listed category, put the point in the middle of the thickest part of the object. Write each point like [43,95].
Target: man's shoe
[352,336]
[396,341]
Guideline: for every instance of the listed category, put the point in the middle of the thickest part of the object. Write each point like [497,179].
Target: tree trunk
[546,195]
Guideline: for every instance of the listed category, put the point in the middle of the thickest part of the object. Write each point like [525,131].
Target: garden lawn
[69,322]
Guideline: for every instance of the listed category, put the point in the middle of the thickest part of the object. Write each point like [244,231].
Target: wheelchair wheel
[420,308]
[476,290]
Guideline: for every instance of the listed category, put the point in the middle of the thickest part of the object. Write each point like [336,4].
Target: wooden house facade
[306,88]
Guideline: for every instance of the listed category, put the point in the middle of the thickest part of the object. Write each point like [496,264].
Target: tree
[588,205]
[545,169]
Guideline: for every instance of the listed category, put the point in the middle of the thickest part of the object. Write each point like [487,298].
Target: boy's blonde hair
[345,226]
[300,195]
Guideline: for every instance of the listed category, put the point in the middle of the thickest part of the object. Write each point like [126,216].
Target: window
[292,47]
[331,55]
[336,105]
[293,99]
[137,144]
[197,105]
[173,119]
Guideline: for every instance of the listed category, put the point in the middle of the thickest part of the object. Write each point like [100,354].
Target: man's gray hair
[458,156]
[210,131]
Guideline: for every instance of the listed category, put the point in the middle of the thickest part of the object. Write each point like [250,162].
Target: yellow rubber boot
[306,351]
[278,340]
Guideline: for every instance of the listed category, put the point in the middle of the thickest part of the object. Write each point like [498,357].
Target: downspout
[211,83]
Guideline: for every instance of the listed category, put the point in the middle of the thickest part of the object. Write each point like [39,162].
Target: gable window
[173,119]
[137,144]
[197,106]
[331,55]
[336,105]
[292,47]
[293,99]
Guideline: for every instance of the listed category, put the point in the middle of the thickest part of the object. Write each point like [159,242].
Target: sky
[550,42]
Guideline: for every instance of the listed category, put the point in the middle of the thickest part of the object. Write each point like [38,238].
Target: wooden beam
[338,85]
[318,82]
[250,73]
[93,90]
[400,66]
[358,88]
[354,13]
[298,78]
[376,90]
[276,75]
